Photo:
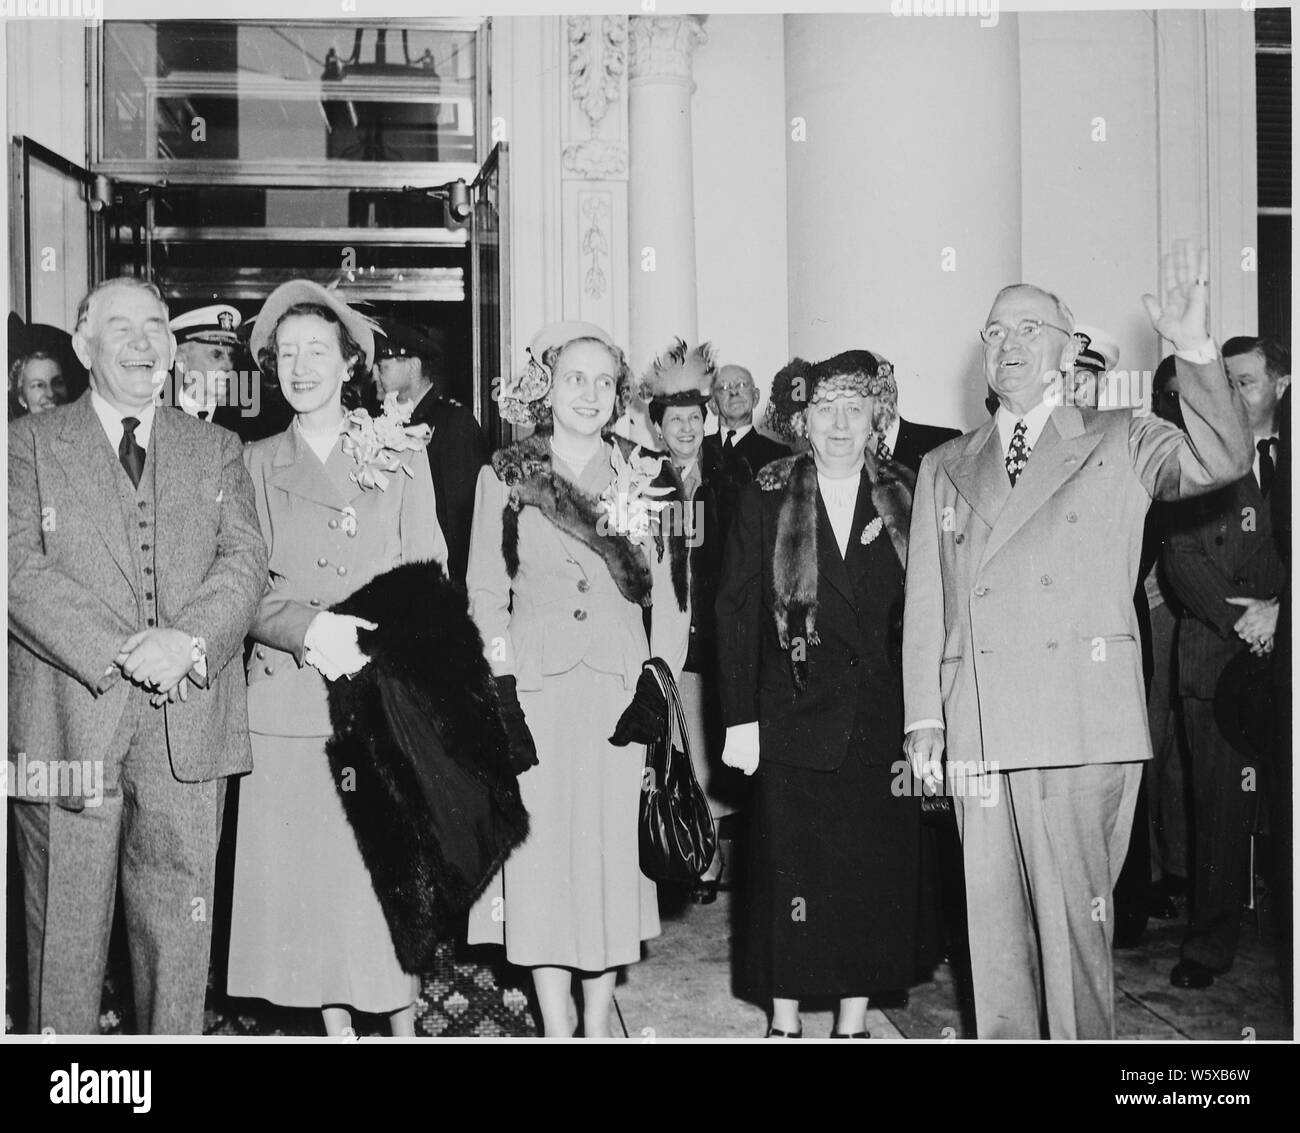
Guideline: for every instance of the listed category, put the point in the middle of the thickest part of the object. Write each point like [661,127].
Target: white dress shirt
[841,498]
[737,434]
[321,442]
[1272,452]
[194,407]
[1034,421]
[111,419]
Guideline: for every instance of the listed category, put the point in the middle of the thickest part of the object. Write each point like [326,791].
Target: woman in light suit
[558,583]
[307,929]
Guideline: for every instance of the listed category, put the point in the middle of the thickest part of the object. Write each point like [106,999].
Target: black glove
[646,718]
[523,752]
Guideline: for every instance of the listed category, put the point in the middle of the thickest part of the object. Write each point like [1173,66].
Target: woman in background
[677,387]
[35,384]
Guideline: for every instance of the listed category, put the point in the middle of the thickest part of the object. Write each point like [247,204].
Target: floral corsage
[629,506]
[375,442]
[515,396]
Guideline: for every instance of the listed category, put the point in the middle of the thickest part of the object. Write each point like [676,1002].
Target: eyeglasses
[995,334]
[735,387]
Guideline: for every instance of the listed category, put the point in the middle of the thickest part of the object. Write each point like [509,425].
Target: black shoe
[851,1035]
[774,1033]
[1190,974]
[705,892]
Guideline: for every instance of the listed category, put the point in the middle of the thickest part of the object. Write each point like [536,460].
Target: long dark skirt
[833,882]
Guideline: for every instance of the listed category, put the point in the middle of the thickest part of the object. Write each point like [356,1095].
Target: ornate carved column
[594,168]
[661,205]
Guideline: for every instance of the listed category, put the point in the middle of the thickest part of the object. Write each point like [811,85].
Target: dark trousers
[1165,776]
[153,837]
[1225,805]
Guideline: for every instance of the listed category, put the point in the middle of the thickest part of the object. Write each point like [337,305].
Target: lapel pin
[871,530]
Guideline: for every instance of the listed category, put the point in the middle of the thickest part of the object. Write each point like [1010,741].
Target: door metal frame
[23,151]
[497,161]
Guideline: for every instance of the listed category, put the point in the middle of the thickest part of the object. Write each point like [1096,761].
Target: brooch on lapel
[871,530]
[349,521]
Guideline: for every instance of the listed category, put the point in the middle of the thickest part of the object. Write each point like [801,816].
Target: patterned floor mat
[459,998]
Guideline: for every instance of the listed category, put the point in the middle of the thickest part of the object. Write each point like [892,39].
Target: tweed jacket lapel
[174,487]
[97,476]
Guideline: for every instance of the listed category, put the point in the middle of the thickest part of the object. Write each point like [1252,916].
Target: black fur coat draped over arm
[419,757]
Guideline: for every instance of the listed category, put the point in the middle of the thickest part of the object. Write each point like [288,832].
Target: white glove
[331,645]
[740,749]
[317,661]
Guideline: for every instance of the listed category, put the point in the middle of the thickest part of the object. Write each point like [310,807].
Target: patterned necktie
[129,452]
[203,414]
[1017,453]
[883,451]
[727,446]
[1267,469]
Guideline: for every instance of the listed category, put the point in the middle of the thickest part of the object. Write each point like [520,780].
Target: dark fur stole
[794,554]
[420,759]
[525,468]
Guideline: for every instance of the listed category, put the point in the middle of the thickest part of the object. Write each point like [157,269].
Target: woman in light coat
[307,929]
[558,583]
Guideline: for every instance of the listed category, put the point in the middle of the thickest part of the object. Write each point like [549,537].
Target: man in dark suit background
[903,441]
[737,450]
[1224,566]
[135,566]
[411,365]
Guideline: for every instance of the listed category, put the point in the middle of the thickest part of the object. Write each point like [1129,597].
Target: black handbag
[676,831]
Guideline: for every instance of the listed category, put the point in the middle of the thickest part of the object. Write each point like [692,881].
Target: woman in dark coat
[676,389]
[809,616]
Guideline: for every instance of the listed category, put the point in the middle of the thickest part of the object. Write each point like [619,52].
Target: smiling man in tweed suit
[135,566]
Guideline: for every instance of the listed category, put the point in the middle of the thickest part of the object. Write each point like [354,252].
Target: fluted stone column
[661,214]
